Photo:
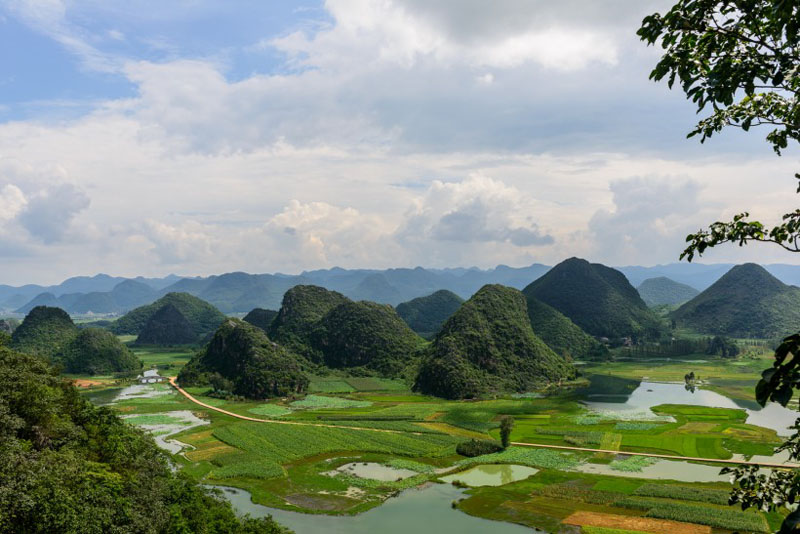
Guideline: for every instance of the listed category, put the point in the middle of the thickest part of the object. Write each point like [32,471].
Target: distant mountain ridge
[665,291]
[238,292]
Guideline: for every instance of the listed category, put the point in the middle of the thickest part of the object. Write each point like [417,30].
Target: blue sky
[198,137]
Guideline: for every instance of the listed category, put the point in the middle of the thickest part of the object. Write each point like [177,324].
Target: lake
[427,509]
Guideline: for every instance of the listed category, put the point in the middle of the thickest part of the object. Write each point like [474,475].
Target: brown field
[641,524]
[85,383]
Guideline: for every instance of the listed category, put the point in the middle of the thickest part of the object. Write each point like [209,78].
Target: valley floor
[358,443]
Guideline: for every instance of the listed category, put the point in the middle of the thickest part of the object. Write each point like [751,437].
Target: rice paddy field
[300,457]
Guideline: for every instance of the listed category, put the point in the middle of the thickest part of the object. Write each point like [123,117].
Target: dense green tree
[44,332]
[506,426]
[202,316]
[742,58]
[261,318]
[96,351]
[67,467]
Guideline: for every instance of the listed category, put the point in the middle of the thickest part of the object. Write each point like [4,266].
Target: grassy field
[295,467]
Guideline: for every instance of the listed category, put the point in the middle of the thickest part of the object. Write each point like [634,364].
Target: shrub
[478,447]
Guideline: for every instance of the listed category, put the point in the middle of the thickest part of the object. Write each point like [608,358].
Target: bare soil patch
[641,524]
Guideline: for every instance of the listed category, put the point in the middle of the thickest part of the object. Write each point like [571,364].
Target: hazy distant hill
[124,296]
[597,298]
[375,288]
[489,346]
[662,290]
[746,302]
[426,315]
[202,316]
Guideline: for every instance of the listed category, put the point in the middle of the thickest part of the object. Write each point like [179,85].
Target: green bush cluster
[478,447]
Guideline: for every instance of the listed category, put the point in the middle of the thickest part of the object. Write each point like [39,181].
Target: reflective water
[416,510]
[663,470]
[621,396]
[492,474]
[374,471]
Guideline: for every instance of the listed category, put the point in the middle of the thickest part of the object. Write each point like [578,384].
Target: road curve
[186,394]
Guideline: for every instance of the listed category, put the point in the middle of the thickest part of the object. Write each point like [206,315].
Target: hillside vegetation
[45,332]
[50,333]
[167,326]
[426,315]
[240,359]
[746,302]
[663,291]
[329,329]
[69,467]
[598,299]
[489,346]
[261,318]
[560,334]
[202,316]
[365,334]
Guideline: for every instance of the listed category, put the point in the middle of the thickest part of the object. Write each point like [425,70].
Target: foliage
[506,426]
[426,315]
[67,467]
[302,307]
[560,333]
[661,291]
[95,351]
[684,493]
[319,402]
[489,346]
[740,58]
[328,328]
[478,447]
[280,444]
[746,302]
[242,354]
[270,410]
[167,327]
[722,346]
[356,334]
[632,464]
[598,299]
[542,458]
[202,316]
[261,318]
[727,518]
[44,332]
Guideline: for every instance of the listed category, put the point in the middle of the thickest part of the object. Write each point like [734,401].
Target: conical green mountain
[426,315]
[365,334]
[167,326]
[746,302]
[202,316]
[597,298]
[261,318]
[51,334]
[96,351]
[665,291]
[302,307]
[45,332]
[329,329]
[254,366]
[559,333]
[488,346]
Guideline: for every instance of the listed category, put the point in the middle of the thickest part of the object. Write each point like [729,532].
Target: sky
[142,137]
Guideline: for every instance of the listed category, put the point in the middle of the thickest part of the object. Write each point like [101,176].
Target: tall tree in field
[740,60]
[506,426]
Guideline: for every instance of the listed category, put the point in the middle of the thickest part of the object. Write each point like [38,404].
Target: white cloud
[12,202]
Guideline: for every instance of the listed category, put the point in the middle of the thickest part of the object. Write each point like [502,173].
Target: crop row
[684,493]
[542,458]
[727,518]
[284,443]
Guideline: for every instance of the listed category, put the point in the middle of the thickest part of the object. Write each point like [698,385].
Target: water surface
[492,474]
[417,511]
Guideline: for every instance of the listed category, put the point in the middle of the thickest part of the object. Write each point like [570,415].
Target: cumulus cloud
[651,215]
[50,211]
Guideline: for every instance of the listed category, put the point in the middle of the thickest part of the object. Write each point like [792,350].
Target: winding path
[517,443]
